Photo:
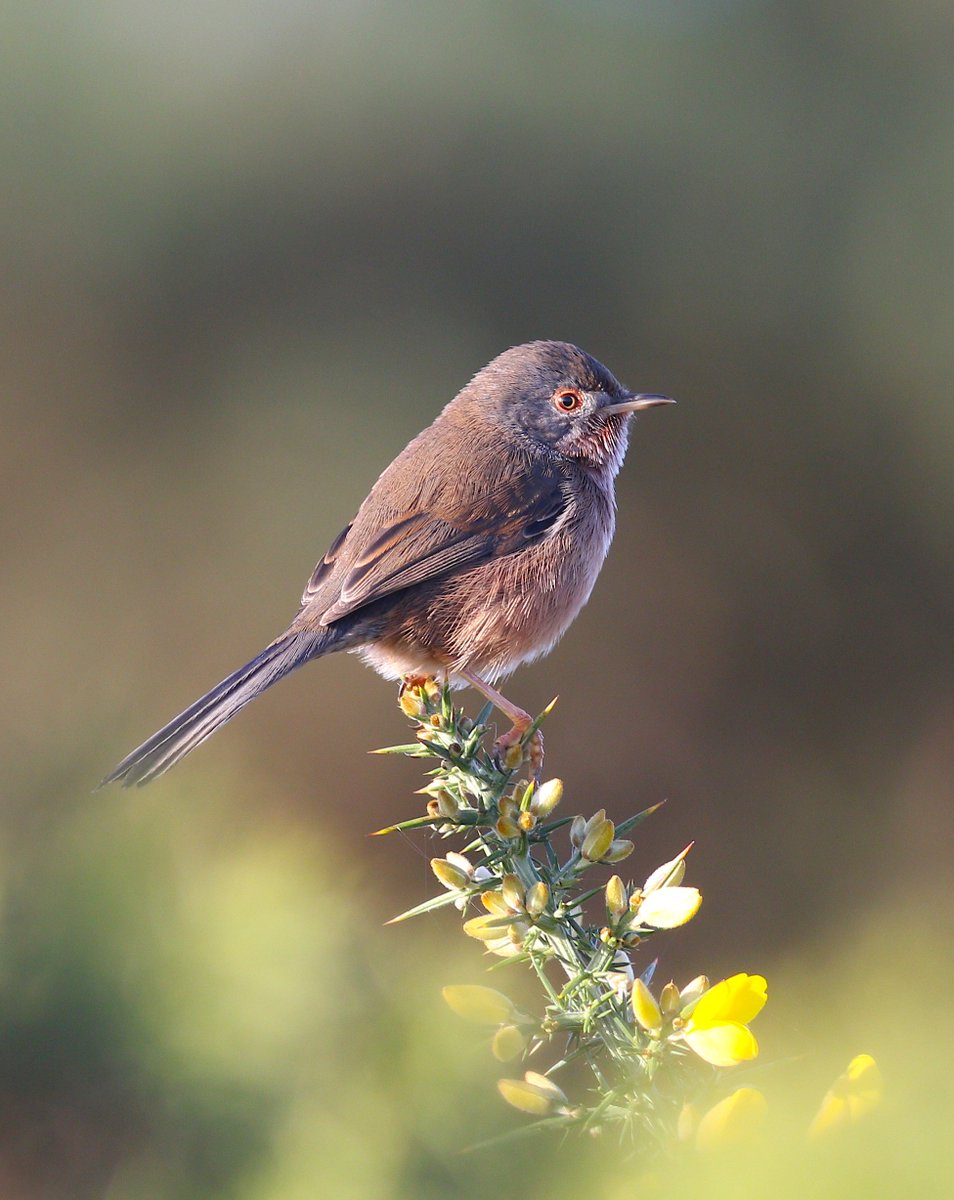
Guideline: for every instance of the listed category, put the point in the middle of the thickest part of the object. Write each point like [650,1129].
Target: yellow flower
[619,848]
[852,1095]
[717,1027]
[645,1009]
[484,1005]
[670,874]
[538,897]
[453,877]
[546,798]
[598,837]
[615,897]
[535,1094]
[734,1121]
[513,893]
[499,935]
[668,907]
[507,1043]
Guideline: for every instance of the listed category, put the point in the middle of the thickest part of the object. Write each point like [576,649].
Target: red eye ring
[567,400]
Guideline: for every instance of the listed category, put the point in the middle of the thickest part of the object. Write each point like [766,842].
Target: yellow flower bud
[483,1005]
[410,702]
[512,891]
[538,897]
[502,939]
[546,798]
[508,807]
[447,806]
[670,874]
[485,928]
[669,999]
[450,875]
[507,827]
[645,1009]
[577,832]
[530,1097]
[508,1042]
[526,821]
[599,838]
[461,861]
[615,897]
[692,991]
[619,849]
[546,1085]
[495,903]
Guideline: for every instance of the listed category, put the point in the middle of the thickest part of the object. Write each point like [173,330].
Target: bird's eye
[568,400]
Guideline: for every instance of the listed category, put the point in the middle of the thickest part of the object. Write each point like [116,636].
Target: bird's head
[559,397]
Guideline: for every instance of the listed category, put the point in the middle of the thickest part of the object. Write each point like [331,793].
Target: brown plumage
[473,552]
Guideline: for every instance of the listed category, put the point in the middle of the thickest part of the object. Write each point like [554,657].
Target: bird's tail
[201,719]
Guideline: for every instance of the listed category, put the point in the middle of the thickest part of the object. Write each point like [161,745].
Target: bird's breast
[509,610]
[515,608]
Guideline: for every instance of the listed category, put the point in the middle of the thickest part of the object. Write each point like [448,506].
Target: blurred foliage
[249,250]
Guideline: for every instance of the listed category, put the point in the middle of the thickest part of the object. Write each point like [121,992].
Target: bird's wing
[425,544]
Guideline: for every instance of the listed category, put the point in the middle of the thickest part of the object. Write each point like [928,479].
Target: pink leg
[506,745]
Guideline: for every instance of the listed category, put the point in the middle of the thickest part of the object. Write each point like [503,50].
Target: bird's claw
[513,748]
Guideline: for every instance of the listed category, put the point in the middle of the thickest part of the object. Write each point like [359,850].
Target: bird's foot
[514,748]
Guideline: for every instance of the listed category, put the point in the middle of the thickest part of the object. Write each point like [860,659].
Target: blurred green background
[249,250]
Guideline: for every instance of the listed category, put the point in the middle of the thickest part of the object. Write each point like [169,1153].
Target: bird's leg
[508,742]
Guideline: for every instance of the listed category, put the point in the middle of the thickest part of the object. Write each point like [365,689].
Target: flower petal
[669,907]
[645,1008]
[599,838]
[733,1121]
[722,1045]
[524,1096]
[450,874]
[487,928]
[484,1005]
[507,1043]
[546,798]
[670,874]
[864,1077]
[739,998]
[853,1094]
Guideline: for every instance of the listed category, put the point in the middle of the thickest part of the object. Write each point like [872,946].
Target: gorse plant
[608,1053]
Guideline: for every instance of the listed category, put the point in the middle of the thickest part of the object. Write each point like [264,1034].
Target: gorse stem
[640,1063]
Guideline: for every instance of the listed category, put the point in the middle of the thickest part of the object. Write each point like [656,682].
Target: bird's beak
[636,403]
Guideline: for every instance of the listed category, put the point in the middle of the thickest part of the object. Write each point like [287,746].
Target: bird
[472,554]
